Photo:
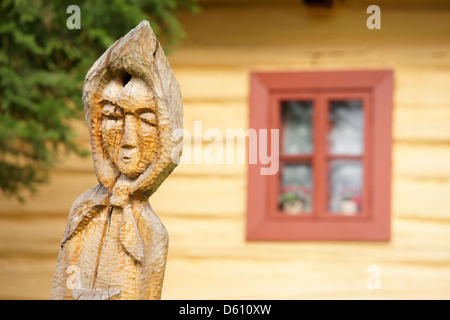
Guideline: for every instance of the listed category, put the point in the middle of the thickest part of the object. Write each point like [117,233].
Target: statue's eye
[148,117]
[112,112]
[109,115]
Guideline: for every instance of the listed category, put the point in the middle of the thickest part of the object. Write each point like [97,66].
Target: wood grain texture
[114,246]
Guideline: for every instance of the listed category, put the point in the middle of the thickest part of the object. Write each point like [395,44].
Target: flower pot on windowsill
[293,207]
[349,207]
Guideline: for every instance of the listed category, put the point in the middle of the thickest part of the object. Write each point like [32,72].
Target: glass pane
[345,186]
[296,189]
[346,134]
[297,119]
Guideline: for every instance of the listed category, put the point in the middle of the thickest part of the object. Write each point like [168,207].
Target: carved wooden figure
[114,245]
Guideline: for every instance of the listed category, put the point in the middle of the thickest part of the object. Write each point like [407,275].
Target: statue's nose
[130,133]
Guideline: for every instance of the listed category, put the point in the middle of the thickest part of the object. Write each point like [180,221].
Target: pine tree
[42,69]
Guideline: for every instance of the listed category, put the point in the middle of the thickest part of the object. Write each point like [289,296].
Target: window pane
[296,189]
[346,134]
[297,125]
[345,186]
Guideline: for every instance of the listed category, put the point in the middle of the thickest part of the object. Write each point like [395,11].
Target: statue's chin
[132,164]
[130,167]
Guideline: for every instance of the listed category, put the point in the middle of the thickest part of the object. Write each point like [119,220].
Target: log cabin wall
[203,206]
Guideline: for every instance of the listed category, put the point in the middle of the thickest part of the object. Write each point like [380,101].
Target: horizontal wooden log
[34,237]
[54,197]
[321,55]
[423,87]
[420,160]
[418,125]
[421,198]
[26,278]
[216,84]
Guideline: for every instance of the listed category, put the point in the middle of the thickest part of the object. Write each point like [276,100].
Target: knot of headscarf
[129,235]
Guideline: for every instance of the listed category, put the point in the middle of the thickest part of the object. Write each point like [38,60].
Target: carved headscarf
[140,55]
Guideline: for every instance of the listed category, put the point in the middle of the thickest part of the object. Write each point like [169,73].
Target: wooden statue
[114,245]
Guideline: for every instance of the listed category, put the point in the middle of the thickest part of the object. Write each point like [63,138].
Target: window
[334,175]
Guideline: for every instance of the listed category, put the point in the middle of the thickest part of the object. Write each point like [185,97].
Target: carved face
[129,126]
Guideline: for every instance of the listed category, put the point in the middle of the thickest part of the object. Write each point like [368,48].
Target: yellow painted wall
[204,206]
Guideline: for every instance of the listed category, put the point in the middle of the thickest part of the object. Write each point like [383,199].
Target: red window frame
[374,87]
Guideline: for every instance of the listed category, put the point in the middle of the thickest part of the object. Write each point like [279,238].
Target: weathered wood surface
[114,246]
[208,252]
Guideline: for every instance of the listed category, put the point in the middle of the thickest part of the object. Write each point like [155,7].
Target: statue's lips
[125,159]
[127,155]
